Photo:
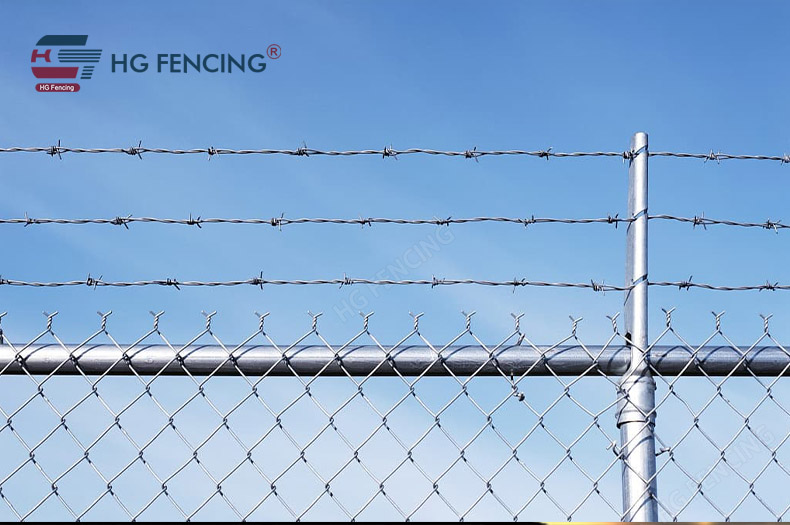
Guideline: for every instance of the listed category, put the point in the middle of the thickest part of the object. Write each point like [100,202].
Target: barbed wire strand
[284,221]
[345,281]
[124,220]
[701,220]
[349,281]
[57,150]
[685,285]
[307,152]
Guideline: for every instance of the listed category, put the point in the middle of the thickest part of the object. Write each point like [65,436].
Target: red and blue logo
[63,57]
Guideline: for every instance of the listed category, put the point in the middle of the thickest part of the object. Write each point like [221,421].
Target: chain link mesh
[96,434]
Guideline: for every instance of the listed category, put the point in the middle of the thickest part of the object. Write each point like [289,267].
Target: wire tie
[628,156]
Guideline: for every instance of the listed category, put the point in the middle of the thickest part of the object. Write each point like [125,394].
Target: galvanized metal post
[636,408]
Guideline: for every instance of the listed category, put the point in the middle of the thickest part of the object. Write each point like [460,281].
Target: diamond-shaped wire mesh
[414,429]
[721,452]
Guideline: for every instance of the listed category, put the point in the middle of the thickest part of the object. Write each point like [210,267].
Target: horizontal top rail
[385,152]
[570,360]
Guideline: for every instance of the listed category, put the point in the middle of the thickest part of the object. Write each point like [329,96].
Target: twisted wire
[345,281]
[349,281]
[57,150]
[284,221]
[124,220]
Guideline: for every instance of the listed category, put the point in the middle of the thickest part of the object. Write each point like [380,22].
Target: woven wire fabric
[87,436]
[720,440]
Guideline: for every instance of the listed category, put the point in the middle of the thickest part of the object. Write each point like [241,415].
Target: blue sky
[575,76]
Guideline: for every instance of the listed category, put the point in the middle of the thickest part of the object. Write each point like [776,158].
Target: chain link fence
[626,428]
[420,429]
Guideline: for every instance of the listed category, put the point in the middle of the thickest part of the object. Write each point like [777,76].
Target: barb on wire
[55,150]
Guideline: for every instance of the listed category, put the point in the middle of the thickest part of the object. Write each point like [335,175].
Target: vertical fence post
[636,405]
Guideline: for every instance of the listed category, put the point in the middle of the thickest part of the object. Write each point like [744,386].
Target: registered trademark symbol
[274,51]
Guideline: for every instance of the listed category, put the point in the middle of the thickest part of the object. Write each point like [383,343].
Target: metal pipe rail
[460,360]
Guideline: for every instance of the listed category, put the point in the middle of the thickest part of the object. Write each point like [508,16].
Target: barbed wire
[718,156]
[701,220]
[685,285]
[474,153]
[349,281]
[284,221]
[279,222]
[307,152]
[345,281]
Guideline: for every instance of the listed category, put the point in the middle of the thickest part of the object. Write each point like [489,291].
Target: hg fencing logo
[66,57]
[72,59]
